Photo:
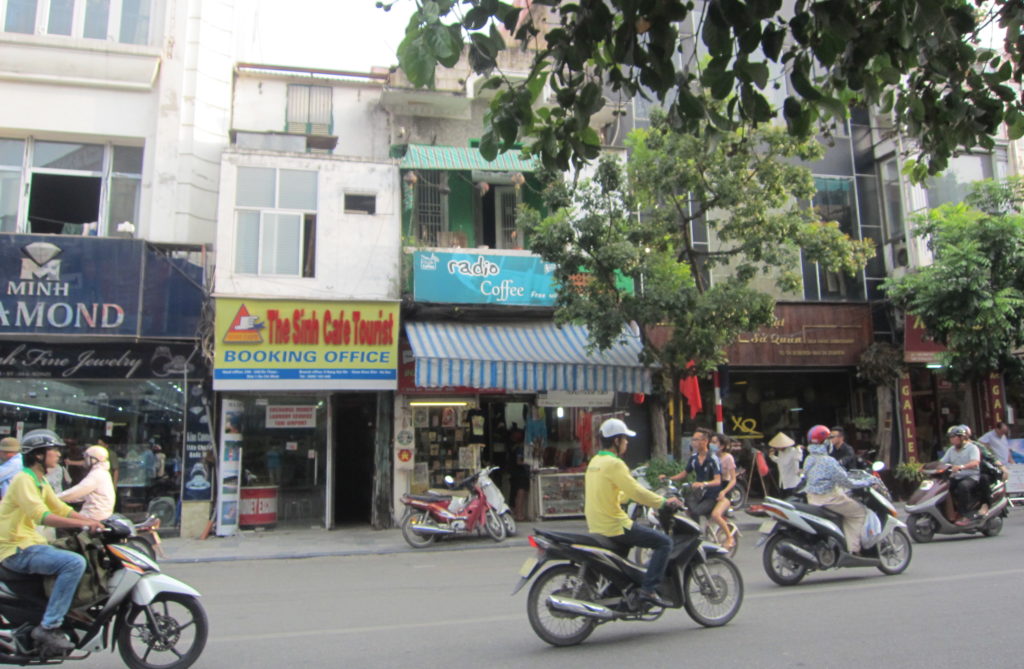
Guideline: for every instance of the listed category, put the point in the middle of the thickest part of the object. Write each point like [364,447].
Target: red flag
[690,389]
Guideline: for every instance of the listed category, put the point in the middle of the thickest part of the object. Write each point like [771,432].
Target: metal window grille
[431,214]
[309,109]
[509,234]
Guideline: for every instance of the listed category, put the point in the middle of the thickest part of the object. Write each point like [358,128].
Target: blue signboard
[95,287]
[482,278]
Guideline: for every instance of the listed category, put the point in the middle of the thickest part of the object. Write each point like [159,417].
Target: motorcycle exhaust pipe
[429,529]
[580,608]
[798,555]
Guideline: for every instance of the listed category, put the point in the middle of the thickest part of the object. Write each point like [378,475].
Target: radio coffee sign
[71,286]
[483,278]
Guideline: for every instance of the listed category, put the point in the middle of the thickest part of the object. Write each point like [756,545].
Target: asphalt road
[957,605]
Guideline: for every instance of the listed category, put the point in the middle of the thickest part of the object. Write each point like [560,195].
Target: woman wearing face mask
[720,446]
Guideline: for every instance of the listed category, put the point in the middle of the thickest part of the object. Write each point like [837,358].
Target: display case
[559,495]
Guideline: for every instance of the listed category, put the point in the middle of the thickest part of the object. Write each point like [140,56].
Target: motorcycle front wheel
[510,524]
[779,568]
[993,527]
[173,638]
[412,519]
[494,525]
[713,591]
[894,552]
[559,628]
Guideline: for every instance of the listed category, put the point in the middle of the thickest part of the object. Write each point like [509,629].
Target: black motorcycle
[122,601]
[594,582]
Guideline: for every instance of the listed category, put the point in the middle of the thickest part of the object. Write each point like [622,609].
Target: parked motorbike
[927,508]
[497,500]
[799,537]
[145,536]
[123,601]
[592,581]
[429,516]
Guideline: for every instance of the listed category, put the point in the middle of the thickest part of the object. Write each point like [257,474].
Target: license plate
[767,526]
[527,567]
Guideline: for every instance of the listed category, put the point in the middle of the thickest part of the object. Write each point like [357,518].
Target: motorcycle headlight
[927,485]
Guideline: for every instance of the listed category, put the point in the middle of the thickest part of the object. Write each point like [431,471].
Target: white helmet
[97,453]
[613,427]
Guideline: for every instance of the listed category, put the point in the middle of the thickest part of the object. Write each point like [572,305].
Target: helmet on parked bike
[958,431]
[613,427]
[818,434]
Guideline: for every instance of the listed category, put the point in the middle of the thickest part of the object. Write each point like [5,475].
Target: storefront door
[354,430]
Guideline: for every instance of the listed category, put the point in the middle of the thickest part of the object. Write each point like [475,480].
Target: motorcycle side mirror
[449,481]
[877,466]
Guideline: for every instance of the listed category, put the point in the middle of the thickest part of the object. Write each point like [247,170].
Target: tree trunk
[659,433]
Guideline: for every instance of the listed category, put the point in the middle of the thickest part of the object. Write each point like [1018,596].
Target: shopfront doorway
[354,429]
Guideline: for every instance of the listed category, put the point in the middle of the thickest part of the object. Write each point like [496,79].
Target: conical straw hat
[781,441]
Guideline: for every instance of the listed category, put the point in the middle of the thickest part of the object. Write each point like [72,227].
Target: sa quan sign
[818,335]
[307,345]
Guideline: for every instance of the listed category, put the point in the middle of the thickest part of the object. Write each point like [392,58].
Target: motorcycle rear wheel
[494,525]
[556,627]
[993,527]
[417,518]
[921,528]
[894,552]
[780,569]
[713,591]
[178,618]
[738,495]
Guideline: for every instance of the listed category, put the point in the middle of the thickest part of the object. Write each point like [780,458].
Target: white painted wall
[172,97]
[357,255]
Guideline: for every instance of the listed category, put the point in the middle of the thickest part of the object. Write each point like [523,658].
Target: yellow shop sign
[305,345]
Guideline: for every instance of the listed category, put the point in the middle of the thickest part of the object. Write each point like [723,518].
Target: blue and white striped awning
[530,357]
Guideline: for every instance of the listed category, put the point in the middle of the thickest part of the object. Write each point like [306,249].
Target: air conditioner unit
[900,254]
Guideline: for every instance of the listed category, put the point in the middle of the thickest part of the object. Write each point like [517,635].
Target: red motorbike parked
[430,516]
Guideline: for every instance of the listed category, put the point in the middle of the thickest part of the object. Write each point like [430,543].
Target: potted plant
[909,474]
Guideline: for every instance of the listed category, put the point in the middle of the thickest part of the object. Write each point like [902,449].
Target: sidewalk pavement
[293,543]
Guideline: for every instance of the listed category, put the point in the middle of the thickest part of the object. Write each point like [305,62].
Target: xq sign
[482,278]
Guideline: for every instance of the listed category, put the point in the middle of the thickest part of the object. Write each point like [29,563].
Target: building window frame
[71,18]
[430,212]
[260,226]
[309,109]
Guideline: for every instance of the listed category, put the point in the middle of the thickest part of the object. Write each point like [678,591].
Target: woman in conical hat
[787,459]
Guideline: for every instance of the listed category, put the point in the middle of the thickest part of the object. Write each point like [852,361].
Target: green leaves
[916,60]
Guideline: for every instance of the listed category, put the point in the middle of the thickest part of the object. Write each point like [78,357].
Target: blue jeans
[46,560]
[647,537]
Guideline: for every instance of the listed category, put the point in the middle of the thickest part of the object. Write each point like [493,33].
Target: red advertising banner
[907,416]
[917,345]
[995,401]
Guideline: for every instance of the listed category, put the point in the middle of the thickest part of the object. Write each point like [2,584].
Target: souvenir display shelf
[559,495]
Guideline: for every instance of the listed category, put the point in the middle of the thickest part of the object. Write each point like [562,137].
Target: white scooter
[497,500]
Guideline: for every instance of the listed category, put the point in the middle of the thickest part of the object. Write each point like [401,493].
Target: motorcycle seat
[10,575]
[819,511]
[584,538]
[430,498]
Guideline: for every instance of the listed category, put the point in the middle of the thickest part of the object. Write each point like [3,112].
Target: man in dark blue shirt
[708,470]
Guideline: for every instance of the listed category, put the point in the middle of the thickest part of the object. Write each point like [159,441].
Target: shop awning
[529,357]
[420,157]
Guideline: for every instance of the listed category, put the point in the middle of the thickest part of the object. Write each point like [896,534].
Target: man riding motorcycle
[607,482]
[964,459]
[30,501]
